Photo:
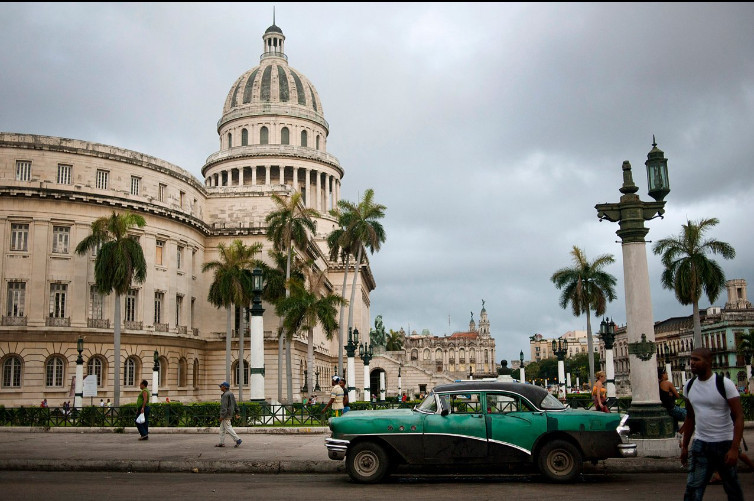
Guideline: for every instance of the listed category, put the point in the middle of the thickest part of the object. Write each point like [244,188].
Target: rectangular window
[102,178]
[60,238]
[57,300]
[23,170]
[64,174]
[135,185]
[161,192]
[159,246]
[159,299]
[19,237]
[54,376]
[182,199]
[131,305]
[96,302]
[179,257]
[16,299]
[178,309]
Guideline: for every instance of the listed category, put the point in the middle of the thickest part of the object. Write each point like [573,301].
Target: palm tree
[746,348]
[308,305]
[289,224]
[587,289]
[341,244]
[394,341]
[119,263]
[361,223]
[232,287]
[688,270]
[274,291]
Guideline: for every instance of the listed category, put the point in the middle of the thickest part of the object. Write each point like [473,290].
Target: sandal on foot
[219,445]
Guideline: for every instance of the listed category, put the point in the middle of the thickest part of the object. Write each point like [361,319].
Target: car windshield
[551,403]
[429,404]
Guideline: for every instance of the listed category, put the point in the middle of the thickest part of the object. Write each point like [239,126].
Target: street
[30,485]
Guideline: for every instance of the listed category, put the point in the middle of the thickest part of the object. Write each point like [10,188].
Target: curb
[159,466]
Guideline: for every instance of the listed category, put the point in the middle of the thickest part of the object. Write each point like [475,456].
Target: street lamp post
[647,417]
[155,377]
[607,334]
[366,352]
[256,392]
[522,376]
[353,343]
[400,389]
[560,348]
[668,363]
[78,396]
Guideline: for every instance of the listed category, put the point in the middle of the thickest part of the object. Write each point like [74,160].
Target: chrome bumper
[336,449]
[625,448]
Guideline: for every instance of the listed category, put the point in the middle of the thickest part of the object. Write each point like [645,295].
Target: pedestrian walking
[228,409]
[715,417]
[346,404]
[599,392]
[142,406]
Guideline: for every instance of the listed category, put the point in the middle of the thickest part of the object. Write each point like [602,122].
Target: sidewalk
[264,450]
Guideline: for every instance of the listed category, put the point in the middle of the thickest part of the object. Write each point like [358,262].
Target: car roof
[534,393]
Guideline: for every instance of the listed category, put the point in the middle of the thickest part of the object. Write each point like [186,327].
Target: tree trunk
[228,341]
[590,347]
[310,361]
[116,352]
[281,346]
[697,327]
[341,327]
[353,288]
[289,369]
[241,368]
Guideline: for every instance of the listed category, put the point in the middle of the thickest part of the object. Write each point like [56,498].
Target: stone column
[267,180]
[382,386]
[318,201]
[254,175]
[367,384]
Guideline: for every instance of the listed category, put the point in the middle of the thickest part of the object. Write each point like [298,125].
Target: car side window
[503,403]
[465,403]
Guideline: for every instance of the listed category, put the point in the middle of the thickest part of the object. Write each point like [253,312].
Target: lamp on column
[256,332]
[155,377]
[78,396]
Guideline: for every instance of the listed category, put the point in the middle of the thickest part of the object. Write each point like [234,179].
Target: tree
[308,305]
[688,271]
[394,341]
[361,223]
[232,287]
[587,289]
[341,245]
[291,223]
[578,366]
[119,263]
[746,349]
[274,291]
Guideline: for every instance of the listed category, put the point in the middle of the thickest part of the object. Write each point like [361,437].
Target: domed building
[272,141]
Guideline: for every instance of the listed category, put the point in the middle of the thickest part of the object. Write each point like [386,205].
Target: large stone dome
[273,87]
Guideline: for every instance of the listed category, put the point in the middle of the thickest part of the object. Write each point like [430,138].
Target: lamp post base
[650,421]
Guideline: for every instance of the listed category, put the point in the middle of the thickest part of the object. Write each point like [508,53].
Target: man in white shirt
[336,398]
[717,424]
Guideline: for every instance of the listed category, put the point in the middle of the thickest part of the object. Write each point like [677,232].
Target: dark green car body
[479,422]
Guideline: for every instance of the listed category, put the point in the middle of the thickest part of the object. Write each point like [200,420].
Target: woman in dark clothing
[668,397]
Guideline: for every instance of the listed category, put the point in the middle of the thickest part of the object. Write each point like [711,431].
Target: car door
[514,426]
[460,434]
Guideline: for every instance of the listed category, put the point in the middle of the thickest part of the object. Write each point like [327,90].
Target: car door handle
[476,415]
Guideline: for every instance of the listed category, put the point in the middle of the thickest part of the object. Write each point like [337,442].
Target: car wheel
[367,462]
[560,461]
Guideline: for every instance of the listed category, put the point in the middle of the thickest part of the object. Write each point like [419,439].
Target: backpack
[720,384]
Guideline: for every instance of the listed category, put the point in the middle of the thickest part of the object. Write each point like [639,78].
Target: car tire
[367,463]
[560,461]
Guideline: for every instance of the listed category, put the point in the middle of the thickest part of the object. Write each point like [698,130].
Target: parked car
[478,423]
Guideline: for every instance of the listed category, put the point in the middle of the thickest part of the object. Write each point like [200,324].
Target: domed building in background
[272,140]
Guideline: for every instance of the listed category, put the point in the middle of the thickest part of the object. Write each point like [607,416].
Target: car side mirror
[444,412]
[444,409]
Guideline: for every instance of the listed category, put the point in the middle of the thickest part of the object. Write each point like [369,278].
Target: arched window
[303,138]
[486,357]
[438,354]
[182,369]
[461,356]
[96,366]
[317,141]
[414,354]
[130,368]
[264,135]
[195,374]
[12,372]
[230,140]
[426,353]
[244,137]
[285,136]
[235,373]
[54,370]
[162,371]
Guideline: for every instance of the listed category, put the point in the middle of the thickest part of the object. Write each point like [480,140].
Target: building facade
[272,140]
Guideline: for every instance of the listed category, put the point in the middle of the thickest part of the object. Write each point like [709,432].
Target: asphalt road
[28,485]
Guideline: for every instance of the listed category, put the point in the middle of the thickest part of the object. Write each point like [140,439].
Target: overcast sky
[489,131]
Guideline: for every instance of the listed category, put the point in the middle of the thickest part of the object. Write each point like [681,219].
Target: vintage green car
[478,423]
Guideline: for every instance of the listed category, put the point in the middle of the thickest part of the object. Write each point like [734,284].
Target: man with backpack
[715,418]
